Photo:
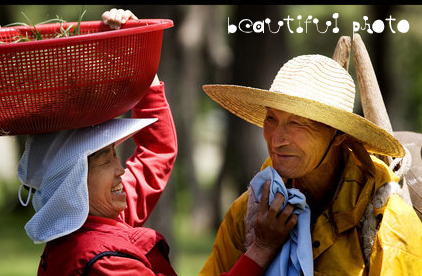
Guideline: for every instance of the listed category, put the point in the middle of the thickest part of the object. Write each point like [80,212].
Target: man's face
[107,197]
[296,145]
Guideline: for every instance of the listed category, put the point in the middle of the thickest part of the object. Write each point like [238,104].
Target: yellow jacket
[397,247]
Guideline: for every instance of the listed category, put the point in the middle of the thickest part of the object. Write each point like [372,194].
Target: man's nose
[281,136]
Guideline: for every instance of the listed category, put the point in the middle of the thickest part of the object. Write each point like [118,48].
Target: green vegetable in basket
[37,35]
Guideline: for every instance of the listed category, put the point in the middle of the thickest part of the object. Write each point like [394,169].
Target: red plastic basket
[71,82]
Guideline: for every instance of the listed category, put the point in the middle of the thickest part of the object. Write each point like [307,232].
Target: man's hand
[116,17]
[272,228]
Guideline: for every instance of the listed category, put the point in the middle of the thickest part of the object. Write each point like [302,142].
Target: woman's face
[296,145]
[107,197]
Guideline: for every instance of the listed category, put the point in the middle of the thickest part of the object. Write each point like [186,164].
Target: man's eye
[296,123]
[269,118]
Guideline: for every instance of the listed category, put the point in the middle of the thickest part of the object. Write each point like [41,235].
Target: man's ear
[362,156]
[340,138]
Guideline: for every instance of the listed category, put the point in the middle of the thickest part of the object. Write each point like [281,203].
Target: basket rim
[129,28]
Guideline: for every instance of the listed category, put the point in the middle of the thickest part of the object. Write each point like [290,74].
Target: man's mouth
[283,155]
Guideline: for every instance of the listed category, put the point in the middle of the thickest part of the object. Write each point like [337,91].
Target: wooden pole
[372,102]
[342,52]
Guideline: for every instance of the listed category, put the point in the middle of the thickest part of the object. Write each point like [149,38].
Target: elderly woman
[319,148]
[90,210]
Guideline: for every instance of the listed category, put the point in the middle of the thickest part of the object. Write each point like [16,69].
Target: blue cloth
[296,255]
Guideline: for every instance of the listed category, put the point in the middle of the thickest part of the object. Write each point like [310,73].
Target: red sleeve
[118,266]
[148,170]
[245,266]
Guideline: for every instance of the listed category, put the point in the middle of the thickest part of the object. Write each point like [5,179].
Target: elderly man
[317,145]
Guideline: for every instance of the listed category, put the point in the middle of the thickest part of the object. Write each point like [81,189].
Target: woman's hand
[271,228]
[116,17]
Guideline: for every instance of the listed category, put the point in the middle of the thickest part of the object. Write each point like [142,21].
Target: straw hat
[311,86]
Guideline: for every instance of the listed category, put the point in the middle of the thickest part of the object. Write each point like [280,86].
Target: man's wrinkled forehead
[294,116]
[275,110]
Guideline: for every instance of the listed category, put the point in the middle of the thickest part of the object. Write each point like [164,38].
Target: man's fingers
[276,205]
[291,222]
[263,202]
[286,213]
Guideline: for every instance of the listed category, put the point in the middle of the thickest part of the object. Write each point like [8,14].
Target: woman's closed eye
[105,162]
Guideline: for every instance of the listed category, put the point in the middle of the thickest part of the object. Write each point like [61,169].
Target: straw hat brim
[250,104]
